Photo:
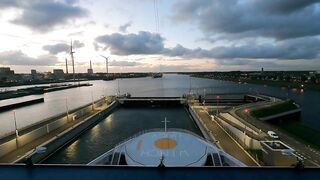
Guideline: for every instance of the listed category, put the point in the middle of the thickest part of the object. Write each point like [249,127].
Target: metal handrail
[144,132]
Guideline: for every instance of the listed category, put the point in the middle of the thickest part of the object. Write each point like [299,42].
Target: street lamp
[218,97]
[92,100]
[16,127]
[67,109]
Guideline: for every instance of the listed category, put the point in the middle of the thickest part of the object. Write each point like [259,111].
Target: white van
[273,135]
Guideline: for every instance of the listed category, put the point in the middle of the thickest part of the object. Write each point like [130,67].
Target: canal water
[120,125]
[125,122]
[170,85]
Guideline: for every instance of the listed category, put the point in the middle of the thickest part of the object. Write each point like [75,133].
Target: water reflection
[169,85]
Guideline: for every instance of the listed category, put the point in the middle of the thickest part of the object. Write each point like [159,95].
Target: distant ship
[157,75]
[166,148]
[109,78]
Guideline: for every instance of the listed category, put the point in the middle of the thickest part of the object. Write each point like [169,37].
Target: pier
[11,104]
[38,90]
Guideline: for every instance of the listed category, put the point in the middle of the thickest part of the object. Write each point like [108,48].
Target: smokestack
[67,66]
[90,65]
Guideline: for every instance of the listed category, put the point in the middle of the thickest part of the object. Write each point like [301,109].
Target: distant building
[33,72]
[58,73]
[90,71]
[6,74]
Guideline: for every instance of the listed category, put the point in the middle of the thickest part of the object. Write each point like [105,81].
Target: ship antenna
[161,165]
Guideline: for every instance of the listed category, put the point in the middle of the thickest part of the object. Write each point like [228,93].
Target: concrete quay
[14,149]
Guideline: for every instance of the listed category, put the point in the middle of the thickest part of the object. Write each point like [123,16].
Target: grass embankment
[276,109]
[303,133]
[315,87]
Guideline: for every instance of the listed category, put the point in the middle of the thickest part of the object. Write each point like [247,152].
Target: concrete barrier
[7,147]
[68,135]
[234,120]
[240,136]
[31,136]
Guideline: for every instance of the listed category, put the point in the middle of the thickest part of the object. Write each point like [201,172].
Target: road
[311,156]
[225,141]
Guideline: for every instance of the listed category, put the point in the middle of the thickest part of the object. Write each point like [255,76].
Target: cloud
[57,48]
[124,63]
[78,33]
[9,3]
[43,16]
[19,58]
[62,47]
[283,6]
[77,44]
[279,19]
[127,44]
[302,48]
[148,43]
[123,28]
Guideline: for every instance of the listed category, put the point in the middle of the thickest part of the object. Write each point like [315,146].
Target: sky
[160,35]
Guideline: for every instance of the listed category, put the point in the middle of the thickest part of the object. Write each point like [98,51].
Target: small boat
[157,75]
[109,78]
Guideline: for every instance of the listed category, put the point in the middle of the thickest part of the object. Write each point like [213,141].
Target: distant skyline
[192,35]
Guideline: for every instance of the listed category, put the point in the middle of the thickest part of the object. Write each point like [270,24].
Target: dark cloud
[283,6]
[302,48]
[148,43]
[126,44]
[43,16]
[9,3]
[124,63]
[280,19]
[57,48]
[124,27]
[62,47]
[19,58]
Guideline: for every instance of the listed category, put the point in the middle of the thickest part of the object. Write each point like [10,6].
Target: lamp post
[218,97]
[189,85]
[92,100]
[67,108]
[16,127]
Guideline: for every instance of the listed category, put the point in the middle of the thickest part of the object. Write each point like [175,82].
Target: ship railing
[102,157]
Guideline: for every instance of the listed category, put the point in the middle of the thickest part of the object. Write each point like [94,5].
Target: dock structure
[222,127]
[145,101]
[53,133]
[11,104]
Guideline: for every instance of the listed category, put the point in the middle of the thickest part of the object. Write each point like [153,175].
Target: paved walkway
[225,141]
[16,154]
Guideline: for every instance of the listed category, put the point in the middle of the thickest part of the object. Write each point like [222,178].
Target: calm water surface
[170,85]
[123,123]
